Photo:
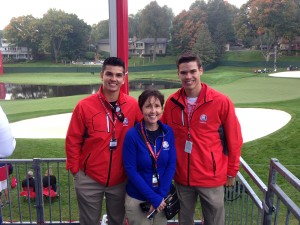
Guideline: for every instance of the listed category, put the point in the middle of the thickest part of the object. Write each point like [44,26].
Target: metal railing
[249,201]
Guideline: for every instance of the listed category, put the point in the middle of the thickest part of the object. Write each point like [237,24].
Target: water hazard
[25,91]
[10,91]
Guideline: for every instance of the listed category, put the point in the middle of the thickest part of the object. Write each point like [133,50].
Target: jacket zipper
[85,163]
[109,169]
[214,163]
[188,175]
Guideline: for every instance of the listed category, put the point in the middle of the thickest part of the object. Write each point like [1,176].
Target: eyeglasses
[117,111]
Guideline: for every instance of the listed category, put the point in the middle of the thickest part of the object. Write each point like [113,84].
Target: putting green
[261,89]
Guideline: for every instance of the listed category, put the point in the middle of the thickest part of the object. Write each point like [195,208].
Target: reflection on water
[18,91]
[21,91]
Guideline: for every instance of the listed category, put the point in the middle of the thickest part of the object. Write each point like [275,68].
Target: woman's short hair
[150,93]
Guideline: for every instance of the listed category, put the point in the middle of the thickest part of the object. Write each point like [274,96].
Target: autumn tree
[204,46]
[220,17]
[155,22]
[186,28]
[268,20]
[203,25]
[266,17]
[243,28]
[289,28]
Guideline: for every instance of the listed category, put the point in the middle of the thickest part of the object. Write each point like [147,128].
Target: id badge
[154,181]
[113,144]
[188,147]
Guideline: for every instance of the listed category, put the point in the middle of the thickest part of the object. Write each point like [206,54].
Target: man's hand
[230,181]
[161,206]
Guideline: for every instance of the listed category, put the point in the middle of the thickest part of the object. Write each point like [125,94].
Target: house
[10,51]
[284,44]
[103,45]
[138,47]
[146,46]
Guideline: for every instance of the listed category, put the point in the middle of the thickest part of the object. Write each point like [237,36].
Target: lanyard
[190,110]
[108,118]
[152,153]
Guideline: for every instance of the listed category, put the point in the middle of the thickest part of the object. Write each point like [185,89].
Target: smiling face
[189,74]
[152,112]
[112,78]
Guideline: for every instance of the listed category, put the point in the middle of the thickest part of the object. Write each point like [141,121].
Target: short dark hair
[188,57]
[113,61]
[152,92]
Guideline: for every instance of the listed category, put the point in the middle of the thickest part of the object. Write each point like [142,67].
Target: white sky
[91,11]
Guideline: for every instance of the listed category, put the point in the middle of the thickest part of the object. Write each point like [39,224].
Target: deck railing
[249,201]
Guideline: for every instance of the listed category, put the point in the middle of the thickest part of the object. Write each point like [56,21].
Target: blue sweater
[139,169]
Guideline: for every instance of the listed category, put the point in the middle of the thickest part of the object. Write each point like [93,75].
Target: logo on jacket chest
[165,145]
[125,122]
[203,118]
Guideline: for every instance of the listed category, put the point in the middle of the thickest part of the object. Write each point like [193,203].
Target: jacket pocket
[100,123]
[178,117]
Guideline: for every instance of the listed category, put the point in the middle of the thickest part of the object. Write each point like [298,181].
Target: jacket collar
[180,95]
[121,99]
[161,125]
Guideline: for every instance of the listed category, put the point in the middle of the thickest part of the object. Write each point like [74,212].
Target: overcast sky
[91,11]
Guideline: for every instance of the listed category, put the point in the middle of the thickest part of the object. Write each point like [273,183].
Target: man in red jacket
[94,146]
[208,143]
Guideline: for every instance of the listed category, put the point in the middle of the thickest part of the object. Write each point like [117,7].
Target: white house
[10,51]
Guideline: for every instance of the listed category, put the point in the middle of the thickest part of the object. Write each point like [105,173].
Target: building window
[139,45]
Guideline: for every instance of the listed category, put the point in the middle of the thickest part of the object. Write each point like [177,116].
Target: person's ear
[201,70]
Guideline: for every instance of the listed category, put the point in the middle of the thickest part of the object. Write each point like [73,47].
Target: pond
[27,91]
[9,91]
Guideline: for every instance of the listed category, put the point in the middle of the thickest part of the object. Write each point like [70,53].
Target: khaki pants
[136,216]
[90,196]
[212,203]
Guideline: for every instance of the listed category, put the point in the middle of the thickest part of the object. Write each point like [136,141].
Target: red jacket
[215,134]
[4,171]
[89,135]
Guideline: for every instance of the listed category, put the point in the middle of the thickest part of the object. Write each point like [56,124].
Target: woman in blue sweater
[149,159]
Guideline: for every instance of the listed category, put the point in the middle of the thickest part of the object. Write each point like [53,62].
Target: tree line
[205,29]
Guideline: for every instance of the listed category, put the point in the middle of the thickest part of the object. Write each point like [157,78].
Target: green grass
[245,88]
[244,56]
[147,61]
[51,78]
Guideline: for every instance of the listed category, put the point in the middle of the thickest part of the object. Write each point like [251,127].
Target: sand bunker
[255,123]
[287,74]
